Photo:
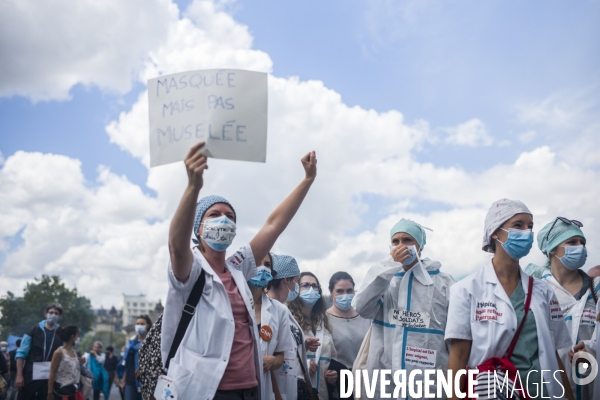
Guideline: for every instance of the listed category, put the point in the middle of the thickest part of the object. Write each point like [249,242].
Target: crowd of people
[46,365]
[262,329]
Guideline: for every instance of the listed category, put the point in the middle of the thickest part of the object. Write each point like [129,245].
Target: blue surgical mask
[293,294]
[140,329]
[218,233]
[262,278]
[518,243]
[574,257]
[344,301]
[310,297]
[52,319]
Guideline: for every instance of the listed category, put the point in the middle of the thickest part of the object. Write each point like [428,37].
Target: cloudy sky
[424,109]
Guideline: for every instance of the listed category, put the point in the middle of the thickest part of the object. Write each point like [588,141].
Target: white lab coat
[324,354]
[595,343]
[287,376]
[580,318]
[275,316]
[481,293]
[403,344]
[202,357]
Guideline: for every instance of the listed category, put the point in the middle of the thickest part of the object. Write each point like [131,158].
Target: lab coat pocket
[180,376]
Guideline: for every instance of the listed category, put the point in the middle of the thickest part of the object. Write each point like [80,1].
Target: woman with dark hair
[349,328]
[130,384]
[309,310]
[64,368]
[272,321]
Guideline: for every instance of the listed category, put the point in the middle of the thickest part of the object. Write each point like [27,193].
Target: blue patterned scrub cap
[285,266]
[203,205]
[413,229]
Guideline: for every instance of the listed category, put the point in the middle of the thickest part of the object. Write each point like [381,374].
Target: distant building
[105,320]
[134,306]
[129,329]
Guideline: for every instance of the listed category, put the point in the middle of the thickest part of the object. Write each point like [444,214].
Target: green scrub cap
[413,229]
[561,232]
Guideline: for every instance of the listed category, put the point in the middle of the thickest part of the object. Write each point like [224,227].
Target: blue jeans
[131,393]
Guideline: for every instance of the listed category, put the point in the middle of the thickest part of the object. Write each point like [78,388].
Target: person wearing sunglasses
[489,325]
[310,311]
[406,295]
[562,241]
[272,320]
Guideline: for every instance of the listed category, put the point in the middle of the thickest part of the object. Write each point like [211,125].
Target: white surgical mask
[77,341]
[3,349]
[218,233]
[52,319]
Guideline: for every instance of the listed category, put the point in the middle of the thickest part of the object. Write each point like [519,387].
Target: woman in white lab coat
[310,312]
[273,327]
[219,355]
[293,383]
[487,306]
[563,242]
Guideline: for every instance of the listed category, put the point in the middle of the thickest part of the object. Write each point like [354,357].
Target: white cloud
[48,47]
[108,237]
[472,133]
[527,137]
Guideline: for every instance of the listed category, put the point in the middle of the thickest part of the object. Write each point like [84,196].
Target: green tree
[19,314]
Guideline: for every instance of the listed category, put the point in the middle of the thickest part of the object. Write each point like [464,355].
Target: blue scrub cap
[561,232]
[413,229]
[285,266]
[203,205]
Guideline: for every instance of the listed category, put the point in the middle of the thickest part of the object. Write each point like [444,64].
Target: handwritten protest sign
[227,108]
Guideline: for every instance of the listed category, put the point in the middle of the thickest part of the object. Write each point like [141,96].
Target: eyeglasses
[306,285]
[566,221]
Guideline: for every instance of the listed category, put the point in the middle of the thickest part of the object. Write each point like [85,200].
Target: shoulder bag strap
[593,289]
[186,315]
[511,348]
[311,394]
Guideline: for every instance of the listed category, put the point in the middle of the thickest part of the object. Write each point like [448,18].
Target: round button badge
[266,333]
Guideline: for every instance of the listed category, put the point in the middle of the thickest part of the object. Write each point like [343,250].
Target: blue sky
[517,75]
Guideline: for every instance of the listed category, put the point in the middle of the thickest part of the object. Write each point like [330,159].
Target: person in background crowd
[272,320]
[13,370]
[95,363]
[130,384]
[309,310]
[407,296]
[119,373]
[4,366]
[6,375]
[488,306]
[219,356]
[290,377]
[38,345]
[349,328]
[563,242]
[65,369]
[110,365]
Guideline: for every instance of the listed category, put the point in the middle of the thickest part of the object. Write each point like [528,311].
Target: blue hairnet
[203,205]
[413,229]
[285,266]
[558,234]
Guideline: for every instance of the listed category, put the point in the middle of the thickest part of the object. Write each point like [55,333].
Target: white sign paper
[227,108]
[409,319]
[41,370]
[424,358]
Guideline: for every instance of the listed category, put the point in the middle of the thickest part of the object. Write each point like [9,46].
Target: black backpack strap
[593,289]
[186,315]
